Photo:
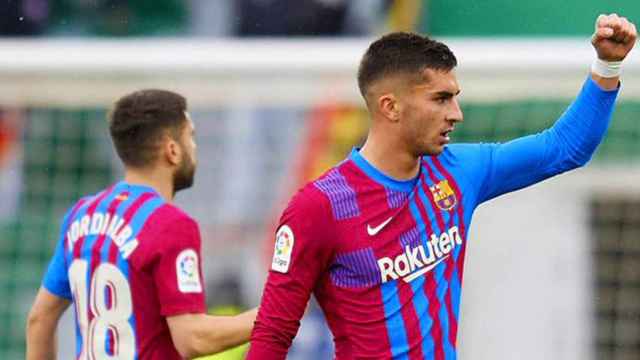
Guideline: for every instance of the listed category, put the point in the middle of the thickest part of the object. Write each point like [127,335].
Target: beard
[184,175]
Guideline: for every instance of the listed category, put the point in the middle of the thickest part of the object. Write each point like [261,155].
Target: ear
[172,150]
[389,107]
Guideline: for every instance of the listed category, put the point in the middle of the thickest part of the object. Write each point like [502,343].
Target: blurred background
[552,272]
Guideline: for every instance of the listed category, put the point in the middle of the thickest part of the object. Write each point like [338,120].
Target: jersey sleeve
[302,252]
[177,270]
[568,144]
[56,278]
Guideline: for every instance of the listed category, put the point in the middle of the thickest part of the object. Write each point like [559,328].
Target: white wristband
[606,69]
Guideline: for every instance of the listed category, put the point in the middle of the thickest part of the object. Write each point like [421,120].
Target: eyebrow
[446,93]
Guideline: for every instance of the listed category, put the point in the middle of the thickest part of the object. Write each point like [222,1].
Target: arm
[53,298]
[42,322]
[568,144]
[201,334]
[573,139]
[302,253]
[177,272]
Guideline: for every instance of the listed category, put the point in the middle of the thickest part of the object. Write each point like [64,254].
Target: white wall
[527,291]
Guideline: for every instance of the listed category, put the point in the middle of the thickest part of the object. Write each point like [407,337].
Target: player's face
[430,111]
[185,173]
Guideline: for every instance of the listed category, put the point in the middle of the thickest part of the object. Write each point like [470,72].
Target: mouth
[445,134]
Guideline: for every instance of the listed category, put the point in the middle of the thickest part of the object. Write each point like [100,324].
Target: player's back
[131,260]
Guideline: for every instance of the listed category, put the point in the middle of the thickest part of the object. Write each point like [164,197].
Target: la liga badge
[283,249]
[187,270]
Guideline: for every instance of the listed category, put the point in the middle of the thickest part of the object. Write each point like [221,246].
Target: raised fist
[614,37]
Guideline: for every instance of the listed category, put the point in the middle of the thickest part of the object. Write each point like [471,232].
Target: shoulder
[467,156]
[324,199]
[309,201]
[174,213]
[336,190]
[467,163]
[168,214]
[168,229]
[77,205]
[74,209]
[170,224]
[468,150]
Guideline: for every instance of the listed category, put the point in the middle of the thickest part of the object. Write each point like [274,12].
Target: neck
[156,179]
[389,158]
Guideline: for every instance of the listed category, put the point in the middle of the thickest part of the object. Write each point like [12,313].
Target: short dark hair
[139,120]
[402,53]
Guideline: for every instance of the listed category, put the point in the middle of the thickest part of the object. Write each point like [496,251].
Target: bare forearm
[606,83]
[41,340]
[219,333]
[201,334]
[42,323]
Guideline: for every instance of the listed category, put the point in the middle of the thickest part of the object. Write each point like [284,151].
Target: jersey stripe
[148,204]
[443,270]
[341,195]
[460,210]
[411,322]
[395,324]
[355,269]
[104,240]
[67,222]
[460,213]
[96,256]
[420,302]
[428,343]
[395,198]
[377,334]
[117,208]
[430,287]
[411,306]
[136,216]
[89,205]
[121,206]
[90,251]
[396,300]
[456,275]
[134,203]
[125,211]
[67,257]
[451,301]
[87,252]
[76,252]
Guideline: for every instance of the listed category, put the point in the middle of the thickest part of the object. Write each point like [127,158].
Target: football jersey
[385,258]
[127,259]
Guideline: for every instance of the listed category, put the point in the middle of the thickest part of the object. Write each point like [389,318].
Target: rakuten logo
[415,262]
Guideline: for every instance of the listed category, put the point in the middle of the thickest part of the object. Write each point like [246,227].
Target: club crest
[443,195]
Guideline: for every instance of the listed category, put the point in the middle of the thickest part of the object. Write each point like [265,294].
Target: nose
[455,114]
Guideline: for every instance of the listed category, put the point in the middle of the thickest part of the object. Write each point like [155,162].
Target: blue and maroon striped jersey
[127,259]
[385,258]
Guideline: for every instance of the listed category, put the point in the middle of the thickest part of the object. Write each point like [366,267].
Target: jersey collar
[380,177]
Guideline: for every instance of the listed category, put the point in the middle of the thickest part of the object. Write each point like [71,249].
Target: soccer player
[128,259]
[380,238]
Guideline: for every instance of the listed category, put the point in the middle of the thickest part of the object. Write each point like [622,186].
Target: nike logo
[413,276]
[372,231]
